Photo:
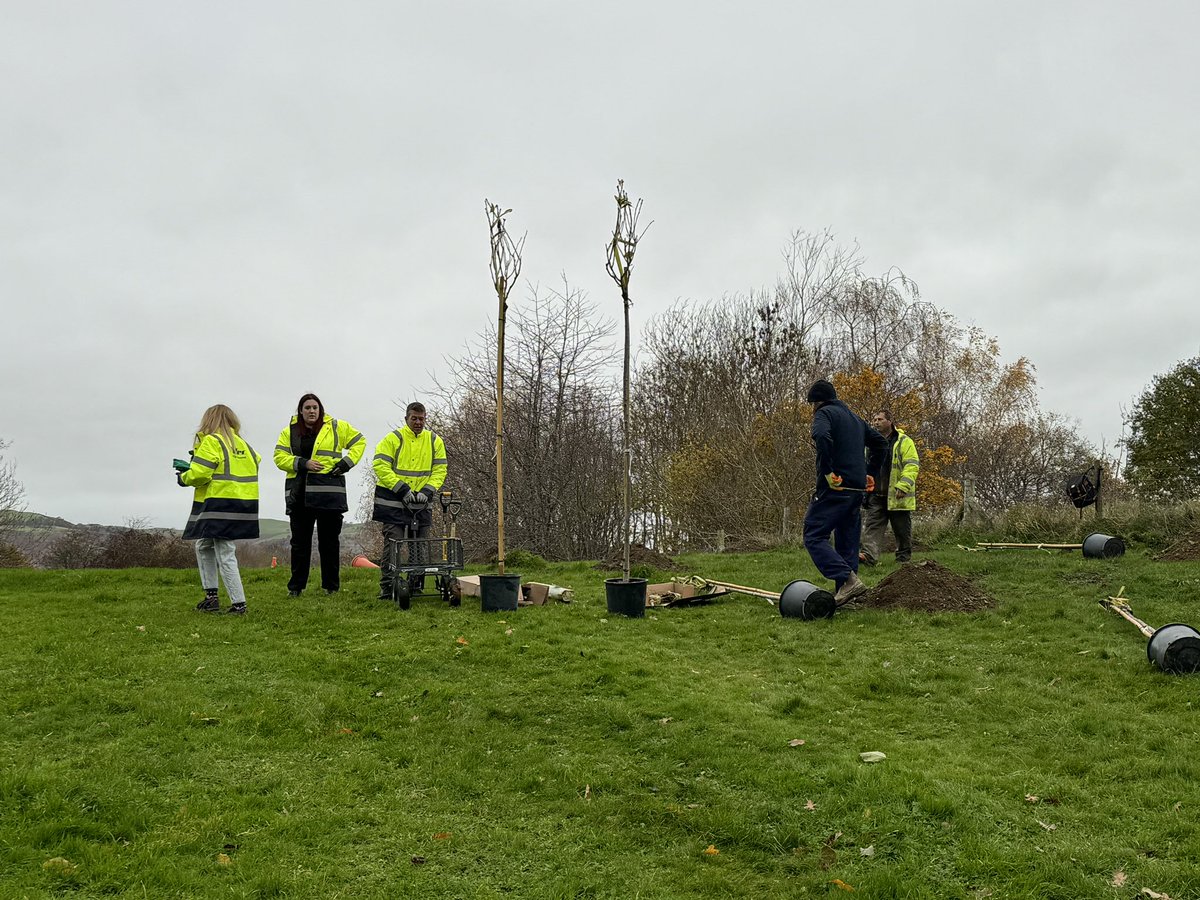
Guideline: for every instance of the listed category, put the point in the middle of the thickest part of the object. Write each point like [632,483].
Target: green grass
[322,744]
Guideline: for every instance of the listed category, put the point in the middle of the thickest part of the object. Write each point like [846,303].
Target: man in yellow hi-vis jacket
[410,469]
[895,495]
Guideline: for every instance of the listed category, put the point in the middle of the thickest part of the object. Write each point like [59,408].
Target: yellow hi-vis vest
[225,476]
[321,490]
[905,466]
[405,461]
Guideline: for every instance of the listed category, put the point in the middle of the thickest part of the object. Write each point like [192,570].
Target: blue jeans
[837,513]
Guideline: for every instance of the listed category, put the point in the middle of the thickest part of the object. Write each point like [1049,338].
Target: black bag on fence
[1083,488]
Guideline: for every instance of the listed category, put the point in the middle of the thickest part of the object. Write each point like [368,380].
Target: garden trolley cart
[414,559]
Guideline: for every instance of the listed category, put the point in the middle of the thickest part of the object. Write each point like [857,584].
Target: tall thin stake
[506,269]
[621,249]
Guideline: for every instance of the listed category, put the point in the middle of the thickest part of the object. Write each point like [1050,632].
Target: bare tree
[506,269]
[561,477]
[12,498]
[622,248]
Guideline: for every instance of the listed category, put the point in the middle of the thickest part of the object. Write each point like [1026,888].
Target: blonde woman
[224,473]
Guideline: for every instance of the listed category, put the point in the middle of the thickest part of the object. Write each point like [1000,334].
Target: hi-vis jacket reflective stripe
[321,490]
[905,466]
[405,461]
[225,478]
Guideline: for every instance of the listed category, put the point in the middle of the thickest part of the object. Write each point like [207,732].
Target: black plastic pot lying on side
[1175,649]
[801,600]
[499,593]
[1103,546]
[626,598]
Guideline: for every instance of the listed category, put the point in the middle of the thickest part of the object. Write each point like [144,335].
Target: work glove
[405,492]
[870,484]
[428,493]
[179,479]
[419,498]
[341,467]
[834,481]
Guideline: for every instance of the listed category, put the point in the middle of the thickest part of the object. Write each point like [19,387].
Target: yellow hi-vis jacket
[905,466]
[225,476]
[406,462]
[321,490]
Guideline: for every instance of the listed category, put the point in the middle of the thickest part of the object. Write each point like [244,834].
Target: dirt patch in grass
[927,586]
[639,555]
[1185,549]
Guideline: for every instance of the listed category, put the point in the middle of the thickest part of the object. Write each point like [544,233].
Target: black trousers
[329,527]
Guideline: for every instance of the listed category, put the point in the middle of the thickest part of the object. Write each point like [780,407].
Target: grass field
[337,747]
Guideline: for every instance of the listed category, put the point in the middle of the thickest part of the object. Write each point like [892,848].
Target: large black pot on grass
[802,600]
[626,597]
[499,593]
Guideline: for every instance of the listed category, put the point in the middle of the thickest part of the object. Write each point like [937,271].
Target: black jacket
[840,437]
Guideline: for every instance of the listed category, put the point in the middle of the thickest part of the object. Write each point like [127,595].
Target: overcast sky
[240,202]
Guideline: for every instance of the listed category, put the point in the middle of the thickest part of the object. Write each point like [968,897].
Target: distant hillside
[36,536]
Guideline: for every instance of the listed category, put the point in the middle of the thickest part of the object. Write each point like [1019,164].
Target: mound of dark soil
[1185,549]
[639,555]
[926,586]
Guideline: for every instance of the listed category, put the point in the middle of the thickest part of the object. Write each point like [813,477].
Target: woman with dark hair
[316,451]
[224,474]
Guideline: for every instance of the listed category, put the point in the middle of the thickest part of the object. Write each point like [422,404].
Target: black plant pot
[626,598]
[499,593]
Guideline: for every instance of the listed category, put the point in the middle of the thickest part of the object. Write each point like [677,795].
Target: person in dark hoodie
[843,469]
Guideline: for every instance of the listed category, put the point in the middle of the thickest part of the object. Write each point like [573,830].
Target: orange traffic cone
[362,562]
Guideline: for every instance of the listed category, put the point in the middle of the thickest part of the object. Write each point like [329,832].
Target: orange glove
[834,480]
[870,484]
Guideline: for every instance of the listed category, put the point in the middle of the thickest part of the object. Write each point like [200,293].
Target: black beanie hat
[821,392]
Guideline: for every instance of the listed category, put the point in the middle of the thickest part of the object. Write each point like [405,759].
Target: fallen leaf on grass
[60,865]
[828,854]
[1177,806]
[1044,825]
[796,742]
[587,792]
[224,860]
[837,882]
[872,756]
[1031,798]
[809,805]
[867,851]
[461,641]
[508,631]
[418,860]
[711,850]
[1153,895]
[377,694]
[443,836]
[141,628]
[1118,879]
[346,731]
[664,721]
